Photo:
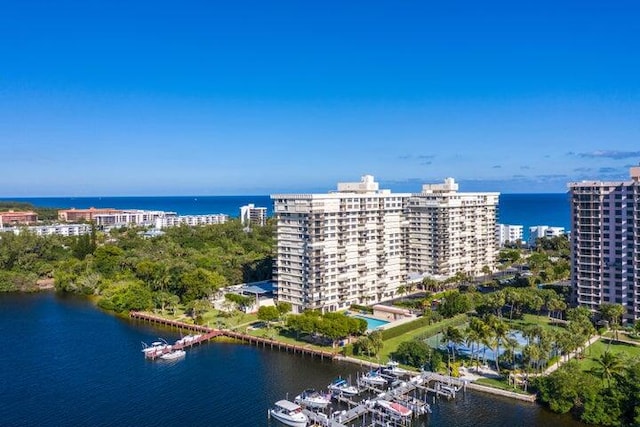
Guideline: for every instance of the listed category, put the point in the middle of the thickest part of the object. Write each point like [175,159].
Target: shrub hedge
[406,327]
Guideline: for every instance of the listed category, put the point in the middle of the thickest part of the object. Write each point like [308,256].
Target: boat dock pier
[168,322]
[267,342]
[367,414]
[209,333]
[412,394]
[182,344]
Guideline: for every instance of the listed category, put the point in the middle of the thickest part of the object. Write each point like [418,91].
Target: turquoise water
[371,322]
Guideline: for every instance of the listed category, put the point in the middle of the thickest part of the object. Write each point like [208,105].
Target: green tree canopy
[414,353]
[268,313]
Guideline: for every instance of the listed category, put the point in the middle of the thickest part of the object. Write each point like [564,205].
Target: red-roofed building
[71,215]
[18,217]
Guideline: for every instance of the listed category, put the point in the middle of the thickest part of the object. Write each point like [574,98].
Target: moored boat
[373,378]
[173,355]
[340,385]
[289,414]
[394,408]
[156,346]
[394,368]
[313,399]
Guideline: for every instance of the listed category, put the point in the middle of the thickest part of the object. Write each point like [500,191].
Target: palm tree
[609,365]
[512,344]
[545,341]
[501,333]
[480,330]
[532,354]
[612,313]
[471,338]
[452,337]
[556,305]
[565,343]
[487,339]
[402,290]
[486,270]
[511,297]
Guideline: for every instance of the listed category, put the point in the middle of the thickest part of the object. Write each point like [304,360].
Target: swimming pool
[372,323]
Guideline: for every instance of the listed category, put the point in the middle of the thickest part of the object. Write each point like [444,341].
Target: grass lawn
[622,335]
[392,344]
[529,320]
[499,383]
[599,347]
[212,318]
[276,335]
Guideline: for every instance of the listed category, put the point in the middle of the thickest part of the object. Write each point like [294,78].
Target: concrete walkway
[571,355]
[621,339]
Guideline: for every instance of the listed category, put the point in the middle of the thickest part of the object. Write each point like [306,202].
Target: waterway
[66,363]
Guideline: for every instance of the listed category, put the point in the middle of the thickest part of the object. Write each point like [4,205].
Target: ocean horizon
[526,209]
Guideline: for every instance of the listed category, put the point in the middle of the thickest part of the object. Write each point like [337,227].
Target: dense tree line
[608,395]
[332,326]
[25,258]
[128,271]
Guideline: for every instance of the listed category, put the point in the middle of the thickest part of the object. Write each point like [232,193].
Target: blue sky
[206,97]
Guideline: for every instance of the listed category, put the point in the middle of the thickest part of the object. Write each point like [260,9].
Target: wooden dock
[168,322]
[182,344]
[212,333]
[273,344]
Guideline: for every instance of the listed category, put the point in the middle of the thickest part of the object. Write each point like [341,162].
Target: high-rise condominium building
[341,248]
[451,232]
[605,243]
[352,246]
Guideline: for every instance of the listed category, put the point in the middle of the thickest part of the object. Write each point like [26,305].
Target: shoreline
[273,344]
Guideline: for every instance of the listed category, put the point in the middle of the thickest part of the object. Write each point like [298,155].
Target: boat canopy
[289,406]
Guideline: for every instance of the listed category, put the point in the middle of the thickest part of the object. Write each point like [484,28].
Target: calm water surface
[67,363]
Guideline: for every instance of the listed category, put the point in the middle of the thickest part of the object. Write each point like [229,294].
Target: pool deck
[389,324]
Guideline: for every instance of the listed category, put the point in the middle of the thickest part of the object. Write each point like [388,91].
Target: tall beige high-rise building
[341,248]
[605,243]
[451,232]
[357,245]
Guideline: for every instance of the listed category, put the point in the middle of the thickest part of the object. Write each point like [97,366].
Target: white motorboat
[418,379]
[173,355]
[373,378]
[340,385]
[154,347]
[289,413]
[313,399]
[394,368]
[394,408]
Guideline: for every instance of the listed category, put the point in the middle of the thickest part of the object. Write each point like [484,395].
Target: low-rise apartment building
[544,231]
[71,215]
[252,215]
[506,233]
[54,229]
[11,217]
[191,220]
